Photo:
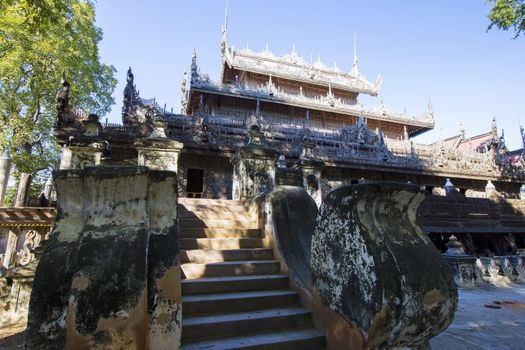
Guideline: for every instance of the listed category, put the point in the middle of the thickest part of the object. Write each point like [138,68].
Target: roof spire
[355,50]
[494,130]
[355,67]
[430,110]
[193,68]
[224,29]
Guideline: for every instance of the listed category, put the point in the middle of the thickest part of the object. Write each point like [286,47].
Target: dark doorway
[194,185]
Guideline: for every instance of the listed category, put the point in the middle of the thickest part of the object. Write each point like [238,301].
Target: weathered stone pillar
[5,169]
[109,275]
[374,266]
[86,149]
[253,167]
[157,151]
[311,168]
[522,192]
[463,265]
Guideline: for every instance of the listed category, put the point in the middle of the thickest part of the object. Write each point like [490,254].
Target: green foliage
[9,199]
[507,14]
[39,41]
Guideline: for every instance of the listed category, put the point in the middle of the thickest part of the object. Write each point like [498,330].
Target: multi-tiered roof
[289,85]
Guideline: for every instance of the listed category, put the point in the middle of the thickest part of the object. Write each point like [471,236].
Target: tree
[40,40]
[506,14]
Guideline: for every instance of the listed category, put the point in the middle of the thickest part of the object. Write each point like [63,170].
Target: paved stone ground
[476,326]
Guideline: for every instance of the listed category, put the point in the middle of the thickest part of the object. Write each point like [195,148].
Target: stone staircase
[233,295]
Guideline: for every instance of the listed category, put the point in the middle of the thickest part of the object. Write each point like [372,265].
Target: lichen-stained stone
[108,277]
[375,267]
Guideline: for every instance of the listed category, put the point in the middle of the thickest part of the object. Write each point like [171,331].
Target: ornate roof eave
[228,90]
[337,79]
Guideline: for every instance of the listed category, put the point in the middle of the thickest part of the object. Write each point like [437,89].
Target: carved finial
[494,129]
[382,107]
[270,86]
[62,97]
[502,144]
[130,76]
[360,120]
[461,131]
[193,68]
[184,81]
[430,110]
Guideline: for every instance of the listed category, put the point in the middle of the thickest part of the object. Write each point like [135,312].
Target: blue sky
[436,49]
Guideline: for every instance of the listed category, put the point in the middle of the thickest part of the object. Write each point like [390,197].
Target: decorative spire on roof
[224,42]
[355,67]
[194,69]
[461,131]
[330,95]
[270,85]
[430,111]
[131,95]
[382,107]
[184,90]
[494,130]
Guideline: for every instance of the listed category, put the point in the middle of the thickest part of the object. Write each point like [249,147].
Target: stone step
[207,304]
[230,268]
[301,339]
[209,201]
[219,208]
[201,232]
[220,243]
[234,284]
[244,323]
[217,215]
[202,256]
[216,223]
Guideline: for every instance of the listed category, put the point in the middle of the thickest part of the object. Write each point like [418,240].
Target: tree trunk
[23,190]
